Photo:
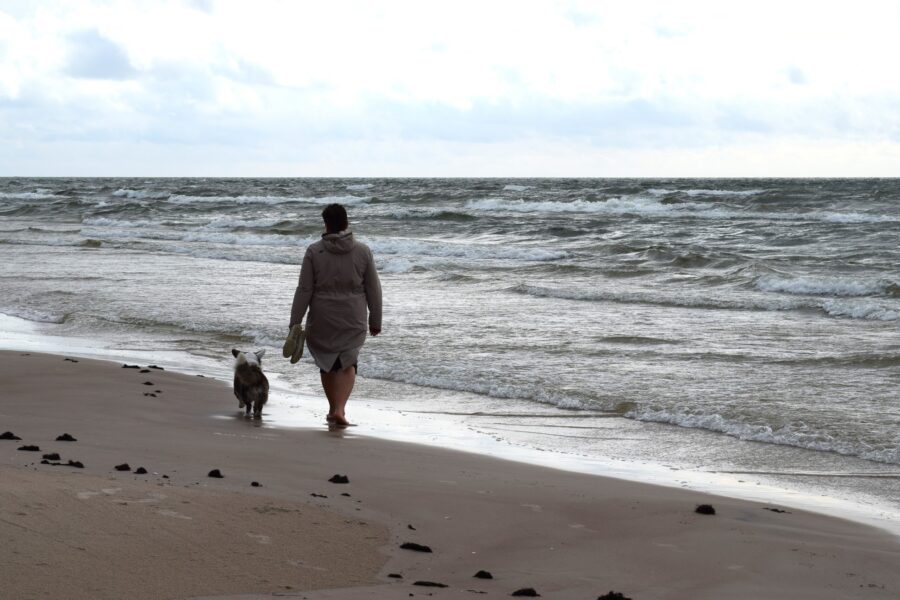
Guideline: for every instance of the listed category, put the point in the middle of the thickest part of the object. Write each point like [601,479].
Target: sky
[437,88]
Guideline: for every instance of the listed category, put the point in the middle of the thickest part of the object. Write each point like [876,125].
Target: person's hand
[374,330]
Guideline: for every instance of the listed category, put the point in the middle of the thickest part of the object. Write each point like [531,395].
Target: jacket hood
[339,243]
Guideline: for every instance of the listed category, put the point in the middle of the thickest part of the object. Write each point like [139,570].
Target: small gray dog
[250,385]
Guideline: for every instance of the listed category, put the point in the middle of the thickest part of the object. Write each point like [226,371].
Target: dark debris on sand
[149,383]
[255,484]
[395,575]
[123,467]
[415,547]
[315,495]
[126,366]
[613,596]
[215,473]
[144,371]
[705,509]
[339,479]
[776,510]
[9,435]
[72,463]
[430,584]
[140,471]
[51,456]
[526,593]
[65,438]
[29,448]
[483,575]
[70,360]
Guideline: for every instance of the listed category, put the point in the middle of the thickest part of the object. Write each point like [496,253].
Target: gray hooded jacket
[338,286]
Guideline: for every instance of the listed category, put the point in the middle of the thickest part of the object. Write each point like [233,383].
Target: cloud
[92,56]
[360,84]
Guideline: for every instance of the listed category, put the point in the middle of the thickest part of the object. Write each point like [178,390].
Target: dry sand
[97,532]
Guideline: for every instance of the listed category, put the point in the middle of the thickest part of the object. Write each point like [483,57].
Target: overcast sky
[449,88]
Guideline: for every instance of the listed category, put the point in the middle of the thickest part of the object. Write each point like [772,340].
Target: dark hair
[335,217]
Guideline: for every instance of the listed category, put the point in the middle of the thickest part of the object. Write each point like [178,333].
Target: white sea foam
[851,217]
[181,199]
[462,249]
[30,314]
[348,200]
[822,286]
[704,192]
[27,195]
[105,222]
[245,239]
[613,206]
[674,300]
[398,265]
[787,435]
[355,187]
[513,187]
[860,309]
[230,222]
[652,207]
[139,194]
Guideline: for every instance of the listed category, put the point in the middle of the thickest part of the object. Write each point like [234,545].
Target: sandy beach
[175,532]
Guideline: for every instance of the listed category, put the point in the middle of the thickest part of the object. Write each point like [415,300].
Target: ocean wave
[439,214]
[27,195]
[862,360]
[854,309]
[492,388]
[872,311]
[653,298]
[786,435]
[106,222]
[245,239]
[347,200]
[824,286]
[37,316]
[704,192]
[463,249]
[513,187]
[357,187]
[400,265]
[851,217]
[653,207]
[140,194]
[232,223]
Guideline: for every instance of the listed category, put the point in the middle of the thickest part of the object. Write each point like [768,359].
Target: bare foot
[329,418]
[339,421]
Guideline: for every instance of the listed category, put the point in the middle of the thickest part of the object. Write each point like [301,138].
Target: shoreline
[565,534]
[288,409]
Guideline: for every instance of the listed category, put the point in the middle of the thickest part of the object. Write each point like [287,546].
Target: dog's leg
[257,409]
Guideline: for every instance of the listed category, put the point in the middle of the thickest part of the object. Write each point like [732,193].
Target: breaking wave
[786,435]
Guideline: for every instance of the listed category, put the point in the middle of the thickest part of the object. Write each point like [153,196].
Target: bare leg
[338,386]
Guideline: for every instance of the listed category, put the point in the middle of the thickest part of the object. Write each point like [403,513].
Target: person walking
[340,289]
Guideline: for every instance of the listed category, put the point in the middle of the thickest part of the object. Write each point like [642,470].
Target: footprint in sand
[90,494]
[152,498]
[301,564]
[262,539]
[171,513]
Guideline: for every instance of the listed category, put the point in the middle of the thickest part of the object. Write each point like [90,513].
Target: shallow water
[711,326]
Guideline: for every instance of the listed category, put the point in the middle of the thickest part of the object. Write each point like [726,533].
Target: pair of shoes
[293,345]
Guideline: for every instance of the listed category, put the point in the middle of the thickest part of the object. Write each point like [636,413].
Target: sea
[736,335]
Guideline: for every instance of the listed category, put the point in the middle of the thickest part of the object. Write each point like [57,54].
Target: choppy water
[762,310]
